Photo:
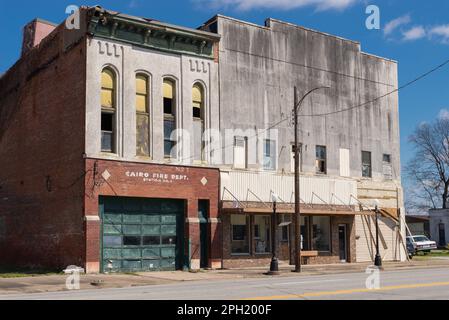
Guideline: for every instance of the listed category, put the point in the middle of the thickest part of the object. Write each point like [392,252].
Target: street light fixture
[378,258]
[274,265]
[297,215]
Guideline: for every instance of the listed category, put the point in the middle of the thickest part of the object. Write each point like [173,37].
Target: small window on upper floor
[169,97]
[387,167]
[321,160]
[366,164]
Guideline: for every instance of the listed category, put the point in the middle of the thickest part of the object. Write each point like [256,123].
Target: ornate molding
[150,34]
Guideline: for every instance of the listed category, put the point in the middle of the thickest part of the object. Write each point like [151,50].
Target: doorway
[442,235]
[342,243]
[203,215]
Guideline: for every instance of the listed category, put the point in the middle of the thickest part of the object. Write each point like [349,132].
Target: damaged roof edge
[267,26]
[156,23]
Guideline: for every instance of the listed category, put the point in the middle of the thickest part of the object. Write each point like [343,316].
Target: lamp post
[297,215]
[274,265]
[378,258]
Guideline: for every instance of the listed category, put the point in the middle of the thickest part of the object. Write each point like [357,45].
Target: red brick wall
[119,184]
[42,108]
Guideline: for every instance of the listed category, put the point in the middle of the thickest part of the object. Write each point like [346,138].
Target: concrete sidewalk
[98,281]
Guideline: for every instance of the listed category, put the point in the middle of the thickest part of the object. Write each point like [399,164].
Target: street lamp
[378,258]
[297,215]
[274,265]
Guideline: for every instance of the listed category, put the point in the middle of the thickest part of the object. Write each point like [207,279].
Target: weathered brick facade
[41,141]
[132,179]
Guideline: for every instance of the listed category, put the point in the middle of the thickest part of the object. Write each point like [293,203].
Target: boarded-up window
[142,116]
[108,106]
[386,166]
[344,163]
[169,118]
[240,152]
[198,122]
[366,164]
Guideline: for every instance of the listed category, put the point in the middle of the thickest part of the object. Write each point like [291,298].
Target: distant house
[418,224]
[439,226]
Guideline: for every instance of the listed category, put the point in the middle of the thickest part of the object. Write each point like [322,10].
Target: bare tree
[428,170]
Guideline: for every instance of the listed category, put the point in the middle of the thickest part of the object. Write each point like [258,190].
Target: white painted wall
[127,60]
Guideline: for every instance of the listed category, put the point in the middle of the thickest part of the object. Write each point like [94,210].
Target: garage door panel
[131,253]
[132,229]
[142,234]
[132,265]
[168,229]
[132,218]
[167,264]
[168,218]
[113,218]
[151,264]
[151,229]
[151,253]
[112,229]
[168,252]
[151,219]
[112,241]
[112,253]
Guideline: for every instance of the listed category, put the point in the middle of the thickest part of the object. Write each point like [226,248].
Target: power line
[339,111]
[380,97]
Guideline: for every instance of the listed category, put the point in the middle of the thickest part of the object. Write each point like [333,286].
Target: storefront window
[321,233]
[239,234]
[305,243]
[262,230]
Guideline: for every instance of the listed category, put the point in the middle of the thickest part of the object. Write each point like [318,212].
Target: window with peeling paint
[142,116]
[169,118]
[108,107]
[198,122]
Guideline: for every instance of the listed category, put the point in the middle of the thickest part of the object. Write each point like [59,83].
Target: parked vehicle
[422,243]
[411,250]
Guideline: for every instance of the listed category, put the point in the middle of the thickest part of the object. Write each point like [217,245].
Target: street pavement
[409,284]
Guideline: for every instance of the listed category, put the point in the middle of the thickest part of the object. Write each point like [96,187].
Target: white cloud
[441,31]
[443,114]
[414,33]
[245,5]
[396,23]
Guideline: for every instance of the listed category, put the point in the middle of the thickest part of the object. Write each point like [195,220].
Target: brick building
[115,153]
[88,176]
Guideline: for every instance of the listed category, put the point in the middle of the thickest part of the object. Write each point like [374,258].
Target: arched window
[198,122]
[142,116]
[108,108]
[169,117]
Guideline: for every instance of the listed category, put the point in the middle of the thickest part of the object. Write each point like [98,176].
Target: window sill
[240,254]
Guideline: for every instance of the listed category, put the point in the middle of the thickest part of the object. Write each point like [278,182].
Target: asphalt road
[432,283]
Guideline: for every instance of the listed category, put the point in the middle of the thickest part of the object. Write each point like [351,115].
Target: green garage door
[141,234]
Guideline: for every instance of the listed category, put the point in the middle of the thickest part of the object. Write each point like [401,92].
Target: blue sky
[413,32]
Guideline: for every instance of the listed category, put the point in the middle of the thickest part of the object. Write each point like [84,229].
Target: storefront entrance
[141,234]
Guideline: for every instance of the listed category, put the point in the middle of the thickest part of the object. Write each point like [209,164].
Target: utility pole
[297,215]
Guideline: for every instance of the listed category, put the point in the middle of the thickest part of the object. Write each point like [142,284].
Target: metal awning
[304,211]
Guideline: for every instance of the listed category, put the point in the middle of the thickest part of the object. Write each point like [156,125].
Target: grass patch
[432,254]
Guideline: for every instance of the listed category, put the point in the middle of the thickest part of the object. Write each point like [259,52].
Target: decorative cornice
[151,34]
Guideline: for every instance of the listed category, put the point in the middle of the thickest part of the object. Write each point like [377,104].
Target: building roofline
[268,27]
[160,24]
